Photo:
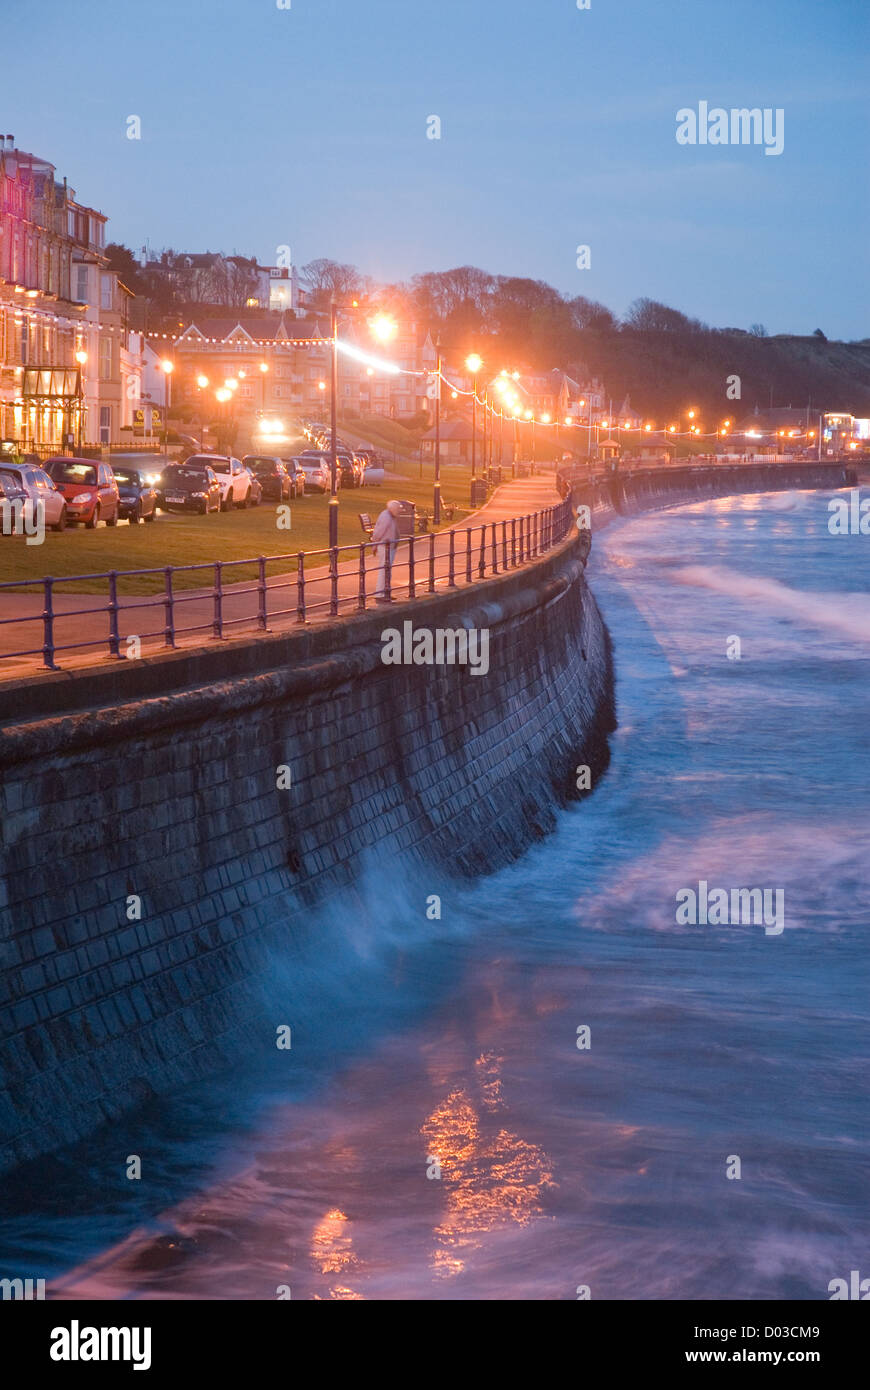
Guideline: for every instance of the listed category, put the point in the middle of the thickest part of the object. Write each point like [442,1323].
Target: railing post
[468,556]
[504,563]
[361,600]
[481,566]
[114,638]
[388,570]
[48,624]
[333,581]
[451,561]
[494,551]
[412,586]
[513,542]
[261,593]
[300,587]
[432,563]
[218,622]
[169,606]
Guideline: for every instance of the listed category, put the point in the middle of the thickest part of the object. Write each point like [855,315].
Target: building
[551,396]
[234,282]
[455,442]
[65,355]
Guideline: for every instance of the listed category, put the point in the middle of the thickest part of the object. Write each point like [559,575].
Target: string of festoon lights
[522,417]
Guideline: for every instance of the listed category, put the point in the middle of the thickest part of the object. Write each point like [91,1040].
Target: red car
[89,488]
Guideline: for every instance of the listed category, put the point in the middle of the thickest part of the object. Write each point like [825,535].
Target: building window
[105,424]
[82,284]
[105,291]
[105,359]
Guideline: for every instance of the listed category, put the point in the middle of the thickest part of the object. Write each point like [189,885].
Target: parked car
[189,487]
[275,480]
[256,493]
[138,495]
[316,470]
[326,457]
[36,486]
[296,473]
[89,489]
[234,481]
[17,507]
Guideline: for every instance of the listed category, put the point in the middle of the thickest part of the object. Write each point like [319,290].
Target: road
[81,626]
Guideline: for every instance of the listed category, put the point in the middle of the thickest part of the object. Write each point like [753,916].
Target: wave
[845,613]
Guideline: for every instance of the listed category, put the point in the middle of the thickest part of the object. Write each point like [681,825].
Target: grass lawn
[179,539]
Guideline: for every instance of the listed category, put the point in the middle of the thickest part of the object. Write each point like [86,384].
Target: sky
[307,126]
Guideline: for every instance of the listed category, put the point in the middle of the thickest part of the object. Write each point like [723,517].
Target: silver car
[38,487]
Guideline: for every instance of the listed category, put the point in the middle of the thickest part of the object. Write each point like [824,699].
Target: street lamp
[474,363]
[202,383]
[167,368]
[384,328]
[436,498]
[264,369]
[81,358]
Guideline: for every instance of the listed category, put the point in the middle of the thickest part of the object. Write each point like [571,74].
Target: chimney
[10,142]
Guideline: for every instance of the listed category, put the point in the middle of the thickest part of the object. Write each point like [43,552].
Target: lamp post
[384,328]
[202,383]
[167,369]
[81,358]
[264,369]
[223,395]
[474,363]
[436,499]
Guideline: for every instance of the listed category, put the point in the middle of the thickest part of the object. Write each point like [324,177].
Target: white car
[234,478]
[318,477]
[38,487]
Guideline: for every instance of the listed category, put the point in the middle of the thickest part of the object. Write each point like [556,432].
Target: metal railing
[310,584]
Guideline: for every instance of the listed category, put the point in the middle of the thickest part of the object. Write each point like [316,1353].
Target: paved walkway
[79,618]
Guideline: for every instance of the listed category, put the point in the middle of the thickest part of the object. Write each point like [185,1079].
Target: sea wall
[158,780]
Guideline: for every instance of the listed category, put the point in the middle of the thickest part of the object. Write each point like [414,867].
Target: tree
[758,330]
[649,316]
[324,279]
[121,258]
[589,314]
[817,333]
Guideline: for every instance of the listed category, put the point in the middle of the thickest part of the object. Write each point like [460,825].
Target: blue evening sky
[307,126]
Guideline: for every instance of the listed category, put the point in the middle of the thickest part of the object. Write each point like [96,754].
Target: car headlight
[84,497]
[199,494]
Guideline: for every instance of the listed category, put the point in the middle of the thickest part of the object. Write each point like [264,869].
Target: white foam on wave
[847,614]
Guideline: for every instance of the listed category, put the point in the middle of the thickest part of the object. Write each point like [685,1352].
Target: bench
[366,523]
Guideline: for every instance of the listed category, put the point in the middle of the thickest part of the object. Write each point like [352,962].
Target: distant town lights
[167,366]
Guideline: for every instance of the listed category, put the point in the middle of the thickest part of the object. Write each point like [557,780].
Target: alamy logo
[75,1343]
[739,126]
[746,907]
[857,1288]
[444,647]
[849,516]
[22,1288]
[23,517]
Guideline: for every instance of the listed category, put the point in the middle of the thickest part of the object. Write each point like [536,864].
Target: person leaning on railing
[385,534]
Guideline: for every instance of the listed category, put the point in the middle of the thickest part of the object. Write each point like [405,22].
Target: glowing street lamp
[474,363]
[167,368]
[81,358]
[384,328]
[202,383]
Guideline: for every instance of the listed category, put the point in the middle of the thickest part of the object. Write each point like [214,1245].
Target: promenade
[82,621]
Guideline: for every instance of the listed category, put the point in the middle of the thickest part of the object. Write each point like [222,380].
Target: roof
[451,429]
[242,328]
